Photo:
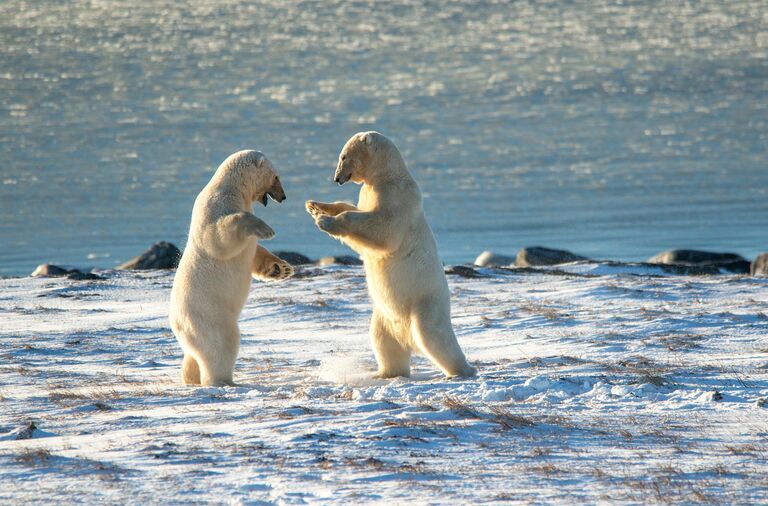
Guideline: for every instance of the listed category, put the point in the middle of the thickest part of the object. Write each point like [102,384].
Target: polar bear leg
[216,355]
[433,336]
[190,371]
[393,357]
[217,370]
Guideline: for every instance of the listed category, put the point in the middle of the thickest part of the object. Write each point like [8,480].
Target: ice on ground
[610,388]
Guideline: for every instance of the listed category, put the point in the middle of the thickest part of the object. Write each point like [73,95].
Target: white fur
[222,253]
[406,281]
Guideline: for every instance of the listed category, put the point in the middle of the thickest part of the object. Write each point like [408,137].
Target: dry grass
[34,457]
[666,489]
[683,342]
[546,469]
[540,452]
[496,414]
[508,420]
[645,370]
[748,449]
[534,308]
[460,407]
[99,395]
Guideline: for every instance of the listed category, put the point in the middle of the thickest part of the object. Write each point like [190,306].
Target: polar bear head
[253,175]
[367,156]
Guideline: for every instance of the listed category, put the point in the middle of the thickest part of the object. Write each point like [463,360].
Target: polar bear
[406,281]
[214,274]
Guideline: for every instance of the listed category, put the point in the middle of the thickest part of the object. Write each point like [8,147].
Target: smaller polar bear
[406,282]
[214,274]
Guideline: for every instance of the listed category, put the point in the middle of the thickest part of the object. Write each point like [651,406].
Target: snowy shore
[595,385]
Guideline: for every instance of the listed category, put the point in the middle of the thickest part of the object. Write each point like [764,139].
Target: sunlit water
[612,130]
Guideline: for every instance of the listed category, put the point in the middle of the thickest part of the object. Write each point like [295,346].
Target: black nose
[336,179]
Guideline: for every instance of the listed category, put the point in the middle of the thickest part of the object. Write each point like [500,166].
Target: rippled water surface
[613,130]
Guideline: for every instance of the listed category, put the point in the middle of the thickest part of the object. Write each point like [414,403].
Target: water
[614,130]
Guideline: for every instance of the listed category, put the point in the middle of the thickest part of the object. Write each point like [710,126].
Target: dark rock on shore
[536,255]
[760,265]
[491,259]
[54,271]
[728,261]
[685,269]
[339,260]
[161,255]
[293,258]
[83,276]
[463,271]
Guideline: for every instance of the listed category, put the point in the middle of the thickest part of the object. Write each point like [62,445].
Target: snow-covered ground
[610,388]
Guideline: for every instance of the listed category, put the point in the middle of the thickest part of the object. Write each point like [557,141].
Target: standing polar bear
[406,282]
[221,255]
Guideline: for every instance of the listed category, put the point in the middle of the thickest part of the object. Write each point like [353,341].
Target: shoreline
[165,255]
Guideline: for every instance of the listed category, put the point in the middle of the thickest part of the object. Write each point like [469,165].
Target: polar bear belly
[212,287]
[398,285]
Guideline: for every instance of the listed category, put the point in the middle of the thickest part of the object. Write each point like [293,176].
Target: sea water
[614,129]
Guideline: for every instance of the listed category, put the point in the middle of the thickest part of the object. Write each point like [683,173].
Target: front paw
[327,224]
[314,209]
[280,270]
[263,231]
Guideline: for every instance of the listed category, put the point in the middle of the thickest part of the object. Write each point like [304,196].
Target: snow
[616,387]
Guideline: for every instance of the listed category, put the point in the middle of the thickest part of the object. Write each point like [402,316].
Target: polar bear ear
[366,138]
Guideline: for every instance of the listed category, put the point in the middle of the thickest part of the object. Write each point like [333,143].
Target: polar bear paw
[327,224]
[263,231]
[278,271]
[314,209]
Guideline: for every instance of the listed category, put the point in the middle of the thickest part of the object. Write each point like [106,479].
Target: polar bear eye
[343,157]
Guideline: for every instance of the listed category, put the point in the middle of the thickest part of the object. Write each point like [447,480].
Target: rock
[686,269]
[293,258]
[26,431]
[712,396]
[536,255]
[161,255]
[464,271]
[728,261]
[78,275]
[760,265]
[339,260]
[491,259]
[49,270]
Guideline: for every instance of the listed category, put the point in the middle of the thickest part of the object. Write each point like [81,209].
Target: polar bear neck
[233,180]
[392,168]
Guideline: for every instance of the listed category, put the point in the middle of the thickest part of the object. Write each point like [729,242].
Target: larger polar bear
[221,255]
[406,281]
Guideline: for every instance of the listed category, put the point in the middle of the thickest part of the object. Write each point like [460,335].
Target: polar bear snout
[343,173]
[276,192]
